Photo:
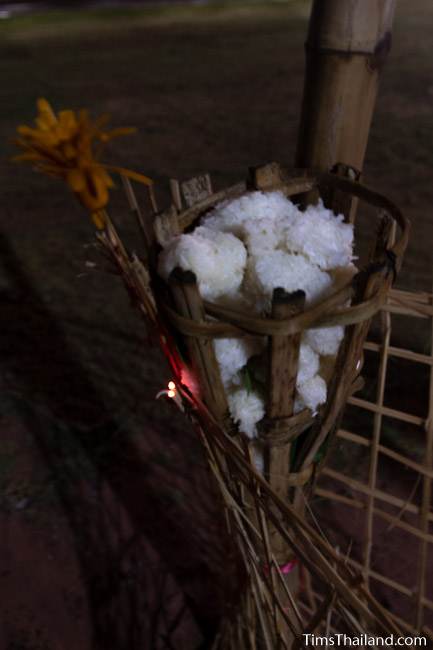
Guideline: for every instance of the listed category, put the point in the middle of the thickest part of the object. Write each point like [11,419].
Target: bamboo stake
[284,355]
[283,370]
[189,303]
[347,45]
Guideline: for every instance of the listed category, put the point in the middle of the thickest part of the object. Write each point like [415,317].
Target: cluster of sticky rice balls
[241,251]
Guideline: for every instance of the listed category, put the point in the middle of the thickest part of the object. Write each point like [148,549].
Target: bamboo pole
[347,45]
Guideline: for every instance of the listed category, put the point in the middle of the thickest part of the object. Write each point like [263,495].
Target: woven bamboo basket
[264,514]
[198,322]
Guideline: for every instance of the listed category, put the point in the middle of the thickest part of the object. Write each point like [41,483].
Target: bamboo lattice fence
[384,504]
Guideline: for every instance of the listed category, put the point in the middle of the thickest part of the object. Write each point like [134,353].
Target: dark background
[105,506]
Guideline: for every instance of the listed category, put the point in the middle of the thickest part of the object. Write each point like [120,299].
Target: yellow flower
[63,145]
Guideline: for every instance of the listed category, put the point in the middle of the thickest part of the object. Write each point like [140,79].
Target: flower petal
[76,180]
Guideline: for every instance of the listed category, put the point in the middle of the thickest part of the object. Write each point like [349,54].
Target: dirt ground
[109,533]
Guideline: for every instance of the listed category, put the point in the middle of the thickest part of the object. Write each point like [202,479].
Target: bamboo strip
[339,202]
[426,310]
[416,311]
[374,453]
[427,631]
[272,176]
[144,224]
[375,199]
[350,619]
[310,611]
[134,274]
[401,353]
[404,624]
[152,199]
[411,296]
[334,496]
[263,527]
[289,596]
[176,196]
[425,504]
[384,410]
[379,494]
[427,603]
[353,437]
[318,617]
[271,327]
[359,505]
[389,582]
[404,460]
[240,325]
[166,225]
[398,523]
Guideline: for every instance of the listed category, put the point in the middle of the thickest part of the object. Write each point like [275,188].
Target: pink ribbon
[284,568]
[287,568]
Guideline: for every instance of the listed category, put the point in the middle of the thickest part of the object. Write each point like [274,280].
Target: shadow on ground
[150,548]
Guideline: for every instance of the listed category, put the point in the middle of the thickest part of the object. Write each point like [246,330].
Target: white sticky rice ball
[308,364]
[247,408]
[233,354]
[217,259]
[322,236]
[291,272]
[325,340]
[312,393]
[238,216]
